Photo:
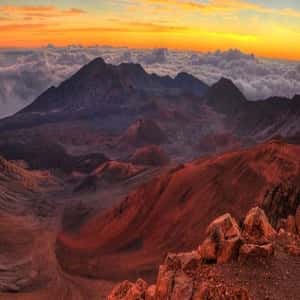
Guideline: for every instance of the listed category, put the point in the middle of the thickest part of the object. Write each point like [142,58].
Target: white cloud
[26,74]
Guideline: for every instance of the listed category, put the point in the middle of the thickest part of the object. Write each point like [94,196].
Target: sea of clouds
[24,74]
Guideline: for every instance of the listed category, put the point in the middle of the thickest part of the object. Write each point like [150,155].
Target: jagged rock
[129,291]
[183,276]
[297,219]
[164,283]
[120,291]
[208,251]
[205,291]
[223,241]
[257,229]
[183,287]
[255,251]
[151,292]
[186,261]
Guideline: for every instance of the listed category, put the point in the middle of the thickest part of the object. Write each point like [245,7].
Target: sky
[269,28]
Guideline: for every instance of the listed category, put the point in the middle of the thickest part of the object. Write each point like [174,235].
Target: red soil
[171,212]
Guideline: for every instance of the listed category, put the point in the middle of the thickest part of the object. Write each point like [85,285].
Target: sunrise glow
[266,28]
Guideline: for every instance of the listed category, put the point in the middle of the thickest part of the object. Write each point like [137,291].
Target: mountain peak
[225,96]
[184,76]
[190,83]
[228,85]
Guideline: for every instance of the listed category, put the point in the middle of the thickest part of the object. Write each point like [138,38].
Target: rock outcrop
[289,233]
[257,227]
[129,291]
[223,241]
[192,275]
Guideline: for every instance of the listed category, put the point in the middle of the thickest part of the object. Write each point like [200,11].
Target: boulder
[222,242]
[151,292]
[257,229]
[248,251]
[207,290]
[129,291]
[186,261]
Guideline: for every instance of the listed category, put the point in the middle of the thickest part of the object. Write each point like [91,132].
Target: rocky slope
[248,262]
[112,172]
[102,106]
[171,212]
[30,208]
[22,191]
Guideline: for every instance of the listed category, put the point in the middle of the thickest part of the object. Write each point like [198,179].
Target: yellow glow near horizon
[190,25]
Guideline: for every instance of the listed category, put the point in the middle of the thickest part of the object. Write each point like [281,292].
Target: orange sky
[265,28]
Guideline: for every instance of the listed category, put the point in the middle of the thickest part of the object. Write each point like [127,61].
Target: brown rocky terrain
[248,262]
[21,190]
[30,208]
[171,212]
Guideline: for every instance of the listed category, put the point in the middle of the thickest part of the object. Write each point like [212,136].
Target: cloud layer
[26,74]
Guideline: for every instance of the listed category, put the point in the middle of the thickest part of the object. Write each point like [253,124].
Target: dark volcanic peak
[225,97]
[99,85]
[190,83]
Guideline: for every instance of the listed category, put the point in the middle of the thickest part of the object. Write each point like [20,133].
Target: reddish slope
[171,212]
[110,172]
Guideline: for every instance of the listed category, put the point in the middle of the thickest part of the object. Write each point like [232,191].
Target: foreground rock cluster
[191,275]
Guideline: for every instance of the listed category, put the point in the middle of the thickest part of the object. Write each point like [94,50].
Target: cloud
[26,74]
[224,7]
[40,11]
[22,27]
[157,56]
